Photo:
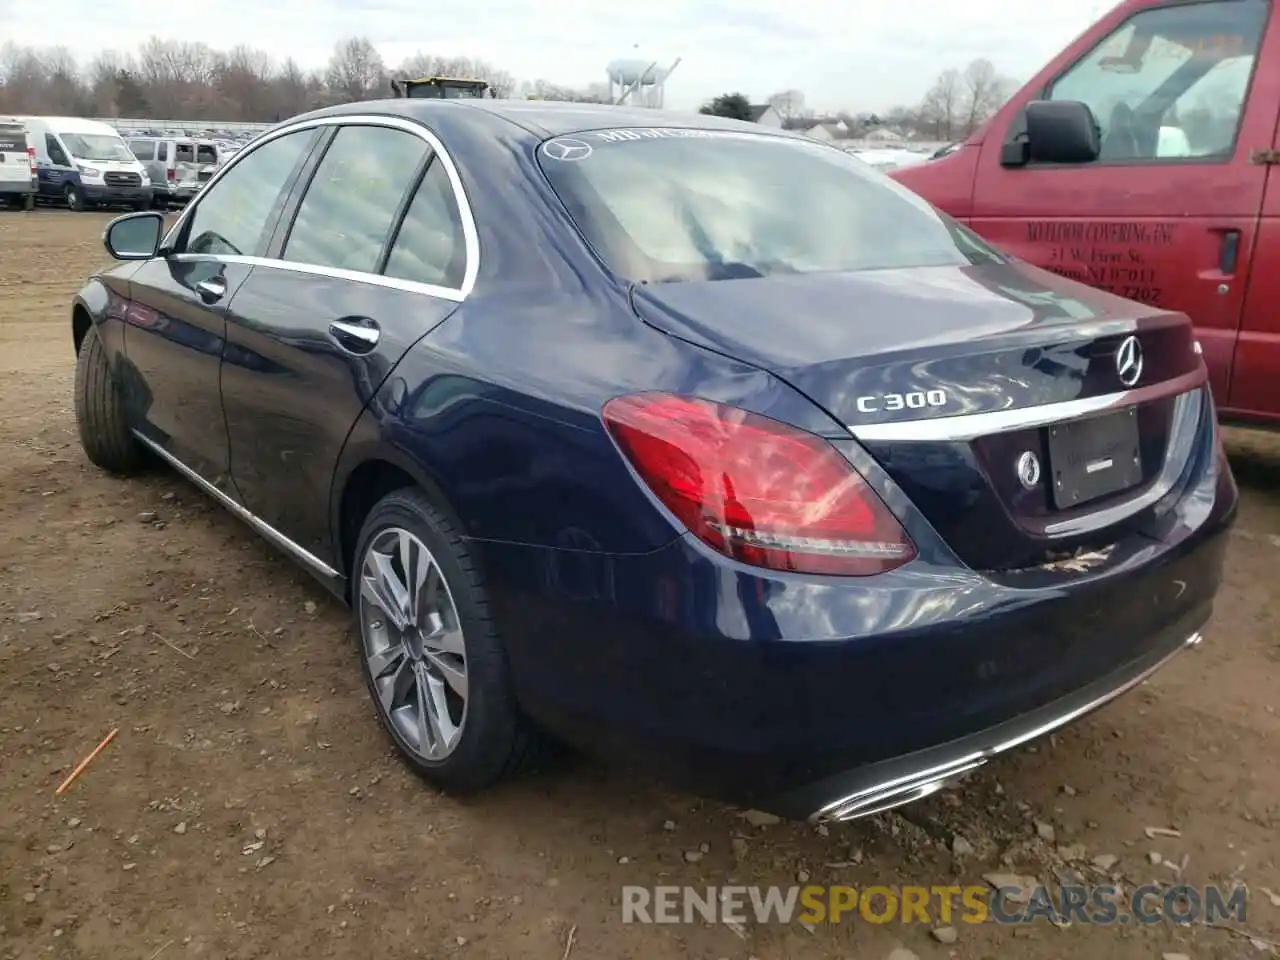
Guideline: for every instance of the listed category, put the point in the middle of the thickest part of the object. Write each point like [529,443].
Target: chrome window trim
[970,426]
[470,236]
[336,273]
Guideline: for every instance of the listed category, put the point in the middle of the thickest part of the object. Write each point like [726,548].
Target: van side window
[1170,82]
[54,150]
[143,149]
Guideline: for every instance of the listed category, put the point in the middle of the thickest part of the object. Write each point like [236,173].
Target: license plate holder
[1093,458]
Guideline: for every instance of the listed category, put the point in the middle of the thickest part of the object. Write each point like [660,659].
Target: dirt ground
[251,807]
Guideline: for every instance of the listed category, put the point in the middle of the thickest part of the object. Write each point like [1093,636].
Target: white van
[17,164]
[86,163]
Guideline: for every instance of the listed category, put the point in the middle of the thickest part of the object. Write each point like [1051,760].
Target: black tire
[74,197]
[496,740]
[104,429]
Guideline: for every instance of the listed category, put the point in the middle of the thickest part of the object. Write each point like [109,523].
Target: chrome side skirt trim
[921,783]
[261,526]
[969,426]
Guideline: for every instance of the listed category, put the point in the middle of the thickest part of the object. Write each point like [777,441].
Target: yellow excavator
[440,88]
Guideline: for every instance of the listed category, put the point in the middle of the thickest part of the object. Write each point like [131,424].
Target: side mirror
[135,236]
[1062,131]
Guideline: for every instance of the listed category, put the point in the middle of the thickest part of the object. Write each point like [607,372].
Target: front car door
[175,325]
[370,256]
[1168,214]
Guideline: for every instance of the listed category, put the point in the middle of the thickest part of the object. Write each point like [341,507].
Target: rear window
[206,153]
[662,204]
[13,139]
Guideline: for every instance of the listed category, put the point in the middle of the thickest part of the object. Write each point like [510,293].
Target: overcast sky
[842,55]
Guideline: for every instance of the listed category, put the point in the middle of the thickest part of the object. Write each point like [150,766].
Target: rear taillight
[170,174]
[31,159]
[755,489]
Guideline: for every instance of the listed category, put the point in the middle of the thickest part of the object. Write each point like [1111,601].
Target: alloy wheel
[413,644]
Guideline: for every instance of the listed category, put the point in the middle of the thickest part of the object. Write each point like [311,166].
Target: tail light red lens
[31,159]
[755,489]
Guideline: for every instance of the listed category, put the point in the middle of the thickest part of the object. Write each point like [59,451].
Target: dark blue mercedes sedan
[699,445]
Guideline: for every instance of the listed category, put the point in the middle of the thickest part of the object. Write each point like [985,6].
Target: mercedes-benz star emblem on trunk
[1028,467]
[1129,361]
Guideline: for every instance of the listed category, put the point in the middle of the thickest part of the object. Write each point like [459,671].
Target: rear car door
[373,256]
[176,322]
[1168,215]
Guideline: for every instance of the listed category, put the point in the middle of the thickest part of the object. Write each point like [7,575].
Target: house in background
[827,131]
[766,116]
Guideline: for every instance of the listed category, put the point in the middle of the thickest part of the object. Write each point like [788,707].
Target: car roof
[540,118]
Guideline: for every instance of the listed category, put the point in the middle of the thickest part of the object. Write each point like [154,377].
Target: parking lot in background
[250,806]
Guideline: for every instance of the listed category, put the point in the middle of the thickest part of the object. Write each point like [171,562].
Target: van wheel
[74,198]
[432,657]
[104,431]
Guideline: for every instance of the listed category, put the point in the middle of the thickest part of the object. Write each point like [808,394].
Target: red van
[1172,203]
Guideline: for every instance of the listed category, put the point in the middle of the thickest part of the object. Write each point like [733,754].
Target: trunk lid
[1025,415]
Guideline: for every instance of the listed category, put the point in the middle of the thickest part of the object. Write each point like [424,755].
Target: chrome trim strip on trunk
[269,532]
[920,783]
[970,426]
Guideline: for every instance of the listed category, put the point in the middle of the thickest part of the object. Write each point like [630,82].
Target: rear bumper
[883,786]
[18,188]
[813,696]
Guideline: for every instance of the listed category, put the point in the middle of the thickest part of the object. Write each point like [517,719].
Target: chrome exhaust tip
[896,793]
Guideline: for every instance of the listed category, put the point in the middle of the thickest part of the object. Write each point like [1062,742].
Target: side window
[235,216]
[429,247]
[56,154]
[143,149]
[184,153]
[351,204]
[163,147]
[1170,82]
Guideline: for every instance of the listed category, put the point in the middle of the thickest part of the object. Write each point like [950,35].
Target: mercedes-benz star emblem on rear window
[1028,468]
[567,148]
[1129,361]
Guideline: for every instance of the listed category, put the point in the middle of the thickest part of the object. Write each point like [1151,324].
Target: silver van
[179,166]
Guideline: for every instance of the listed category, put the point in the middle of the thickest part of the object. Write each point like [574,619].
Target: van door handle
[1229,251]
[212,290]
[355,334]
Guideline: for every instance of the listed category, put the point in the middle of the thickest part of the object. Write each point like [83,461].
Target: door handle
[213,290]
[1229,251]
[356,335]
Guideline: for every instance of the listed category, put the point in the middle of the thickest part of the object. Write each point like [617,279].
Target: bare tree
[985,91]
[939,111]
[356,71]
[788,103]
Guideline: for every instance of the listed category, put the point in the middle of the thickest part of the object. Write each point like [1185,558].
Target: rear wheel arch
[372,478]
